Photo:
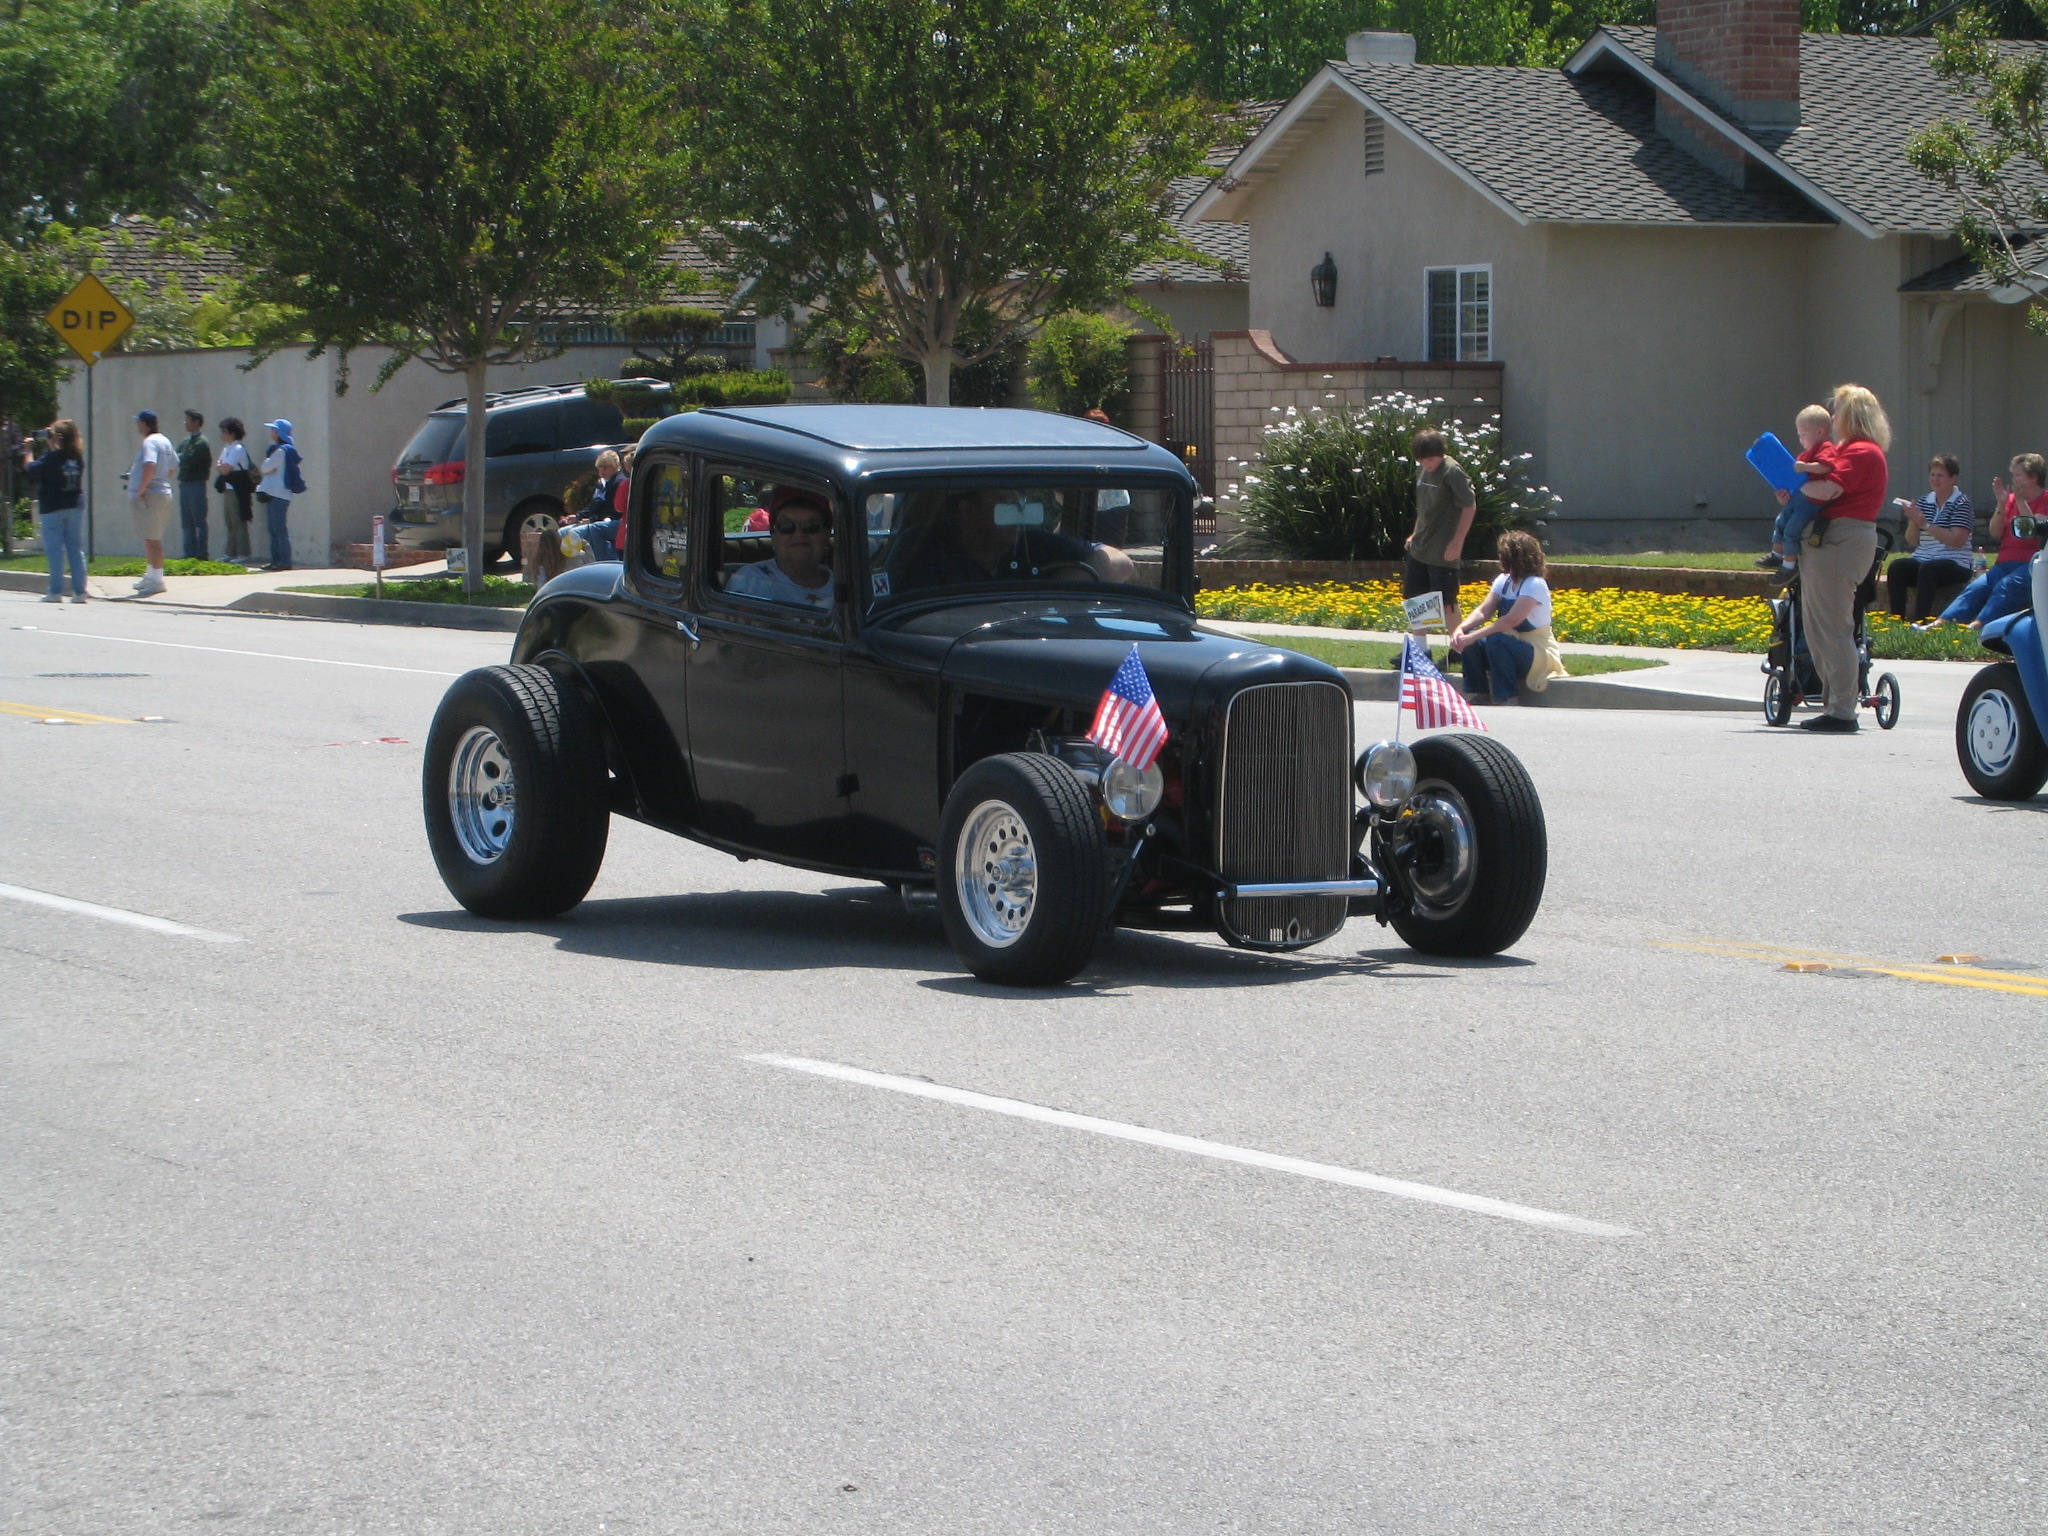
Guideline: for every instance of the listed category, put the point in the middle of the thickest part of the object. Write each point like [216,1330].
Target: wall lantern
[1322,277]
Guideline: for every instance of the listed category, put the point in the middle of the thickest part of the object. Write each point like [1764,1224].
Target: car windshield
[438,440]
[931,537]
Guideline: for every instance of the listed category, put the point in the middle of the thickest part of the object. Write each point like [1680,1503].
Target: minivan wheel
[530,517]
[514,793]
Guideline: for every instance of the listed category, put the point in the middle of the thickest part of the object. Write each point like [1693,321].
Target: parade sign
[90,319]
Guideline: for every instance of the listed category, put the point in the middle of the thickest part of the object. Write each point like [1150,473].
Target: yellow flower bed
[1608,616]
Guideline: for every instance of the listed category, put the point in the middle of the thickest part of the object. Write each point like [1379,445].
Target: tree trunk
[938,377]
[473,483]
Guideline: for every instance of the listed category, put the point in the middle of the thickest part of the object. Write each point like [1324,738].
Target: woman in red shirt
[2017,525]
[1830,572]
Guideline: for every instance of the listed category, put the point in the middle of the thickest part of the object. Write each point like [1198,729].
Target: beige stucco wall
[349,441]
[1193,309]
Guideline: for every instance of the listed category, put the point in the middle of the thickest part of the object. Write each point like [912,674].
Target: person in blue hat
[282,480]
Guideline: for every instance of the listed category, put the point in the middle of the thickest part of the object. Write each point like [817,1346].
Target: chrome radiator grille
[1283,809]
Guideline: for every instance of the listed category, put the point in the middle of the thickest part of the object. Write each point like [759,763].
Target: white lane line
[223,650]
[1216,1149]
[114,915]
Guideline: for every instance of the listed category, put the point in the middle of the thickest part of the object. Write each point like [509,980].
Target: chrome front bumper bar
[1354,888]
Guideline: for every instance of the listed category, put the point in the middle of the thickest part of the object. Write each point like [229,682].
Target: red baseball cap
[796,496]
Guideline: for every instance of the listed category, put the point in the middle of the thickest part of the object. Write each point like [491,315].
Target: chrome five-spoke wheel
[1443,848]
[482,797]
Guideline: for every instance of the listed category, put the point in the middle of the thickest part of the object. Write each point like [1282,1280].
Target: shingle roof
[1860,99]
[1564,147]
[1228,242]
[1962,275]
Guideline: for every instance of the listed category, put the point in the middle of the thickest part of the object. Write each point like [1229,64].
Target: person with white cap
[281,482]
[150,479]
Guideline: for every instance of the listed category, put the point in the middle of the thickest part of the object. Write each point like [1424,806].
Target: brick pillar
[1145,412]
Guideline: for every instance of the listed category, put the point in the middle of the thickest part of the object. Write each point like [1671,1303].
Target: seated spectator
[2018,525]
[1939,526]
[800,570]
[1507,643]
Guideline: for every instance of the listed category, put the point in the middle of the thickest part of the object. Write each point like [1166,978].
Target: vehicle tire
[1887,705]
[514,793]
[1998,741]
[540,514]
[1778,699]
[1023,871]
[1472,865]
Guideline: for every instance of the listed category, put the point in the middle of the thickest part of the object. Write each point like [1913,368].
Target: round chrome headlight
[1132,793]
[1385,774]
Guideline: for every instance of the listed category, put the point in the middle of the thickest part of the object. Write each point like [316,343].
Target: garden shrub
[1339,484]
[636,425]
[741,386]
[1078,363]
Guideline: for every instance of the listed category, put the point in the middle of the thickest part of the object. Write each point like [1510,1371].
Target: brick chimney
[1741,55]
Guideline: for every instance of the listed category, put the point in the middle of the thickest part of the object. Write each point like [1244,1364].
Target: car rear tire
[514,793]
[1998,741]
[1023,871]
[540,515]
[1472,860]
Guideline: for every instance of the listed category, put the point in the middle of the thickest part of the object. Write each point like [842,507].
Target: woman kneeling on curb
[1517,648]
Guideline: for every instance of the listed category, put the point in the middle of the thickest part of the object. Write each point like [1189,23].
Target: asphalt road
[383,1218]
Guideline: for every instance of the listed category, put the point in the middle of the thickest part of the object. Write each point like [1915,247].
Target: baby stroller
[1790,678]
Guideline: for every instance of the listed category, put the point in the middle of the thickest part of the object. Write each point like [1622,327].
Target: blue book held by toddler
[1773,460]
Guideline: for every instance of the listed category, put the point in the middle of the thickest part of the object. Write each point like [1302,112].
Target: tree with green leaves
[442,178]
[1996,160]
[898,164]
[33,361]
[109,105]
[677,333]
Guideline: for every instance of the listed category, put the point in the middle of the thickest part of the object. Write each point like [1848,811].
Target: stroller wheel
[1778,699]
[1886,701]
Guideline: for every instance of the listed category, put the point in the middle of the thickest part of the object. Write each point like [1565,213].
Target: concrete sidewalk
[263,592]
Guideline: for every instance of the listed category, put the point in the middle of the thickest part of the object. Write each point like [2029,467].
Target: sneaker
[53,597]
[78,597]
[1767,562]
[149,586]
[1830,725]
[1927,624]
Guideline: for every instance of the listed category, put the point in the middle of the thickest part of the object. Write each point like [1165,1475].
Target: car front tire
[1023,871]
[1471,853]
[1998,741]
[514,793]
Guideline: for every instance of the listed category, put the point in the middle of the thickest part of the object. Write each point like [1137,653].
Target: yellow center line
[68,716]
[1948,976]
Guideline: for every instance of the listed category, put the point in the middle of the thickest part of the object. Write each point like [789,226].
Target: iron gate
[1187,388]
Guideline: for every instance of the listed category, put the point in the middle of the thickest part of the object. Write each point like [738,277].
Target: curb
[1575,693]
[372,610]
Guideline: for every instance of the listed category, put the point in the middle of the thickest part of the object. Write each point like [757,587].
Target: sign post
[377,550]
[90,319]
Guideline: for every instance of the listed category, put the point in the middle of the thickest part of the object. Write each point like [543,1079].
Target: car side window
[784,575]
[590,424]
[523,429]
[662,516]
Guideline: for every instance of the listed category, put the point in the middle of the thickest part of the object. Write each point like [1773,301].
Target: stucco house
[1666,246]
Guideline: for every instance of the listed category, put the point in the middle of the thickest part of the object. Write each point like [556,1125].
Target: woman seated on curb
[2018,527]
[1507,643]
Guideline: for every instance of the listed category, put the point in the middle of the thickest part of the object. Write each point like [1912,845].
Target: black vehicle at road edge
[932,735]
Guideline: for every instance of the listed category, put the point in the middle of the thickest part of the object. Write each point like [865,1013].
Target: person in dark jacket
[58,475]
[195,468]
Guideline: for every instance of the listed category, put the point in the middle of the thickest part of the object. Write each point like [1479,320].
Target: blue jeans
[192,516]
[1791,524]
[1496,666]
[1974,601]
[277,513]
[64,540]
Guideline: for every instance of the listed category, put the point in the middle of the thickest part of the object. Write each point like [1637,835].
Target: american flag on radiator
[1429,693]
[1127,721]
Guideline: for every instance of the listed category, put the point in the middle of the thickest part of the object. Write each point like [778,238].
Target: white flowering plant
[1339,483]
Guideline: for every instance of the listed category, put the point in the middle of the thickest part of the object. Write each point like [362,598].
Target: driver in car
[983,536]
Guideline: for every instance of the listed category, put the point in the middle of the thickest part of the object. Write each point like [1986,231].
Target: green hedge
[767,386]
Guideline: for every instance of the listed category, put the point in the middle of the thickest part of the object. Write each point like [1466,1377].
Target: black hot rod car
[910,703]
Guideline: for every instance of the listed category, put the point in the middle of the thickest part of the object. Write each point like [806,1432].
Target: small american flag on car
[1127,721]
[1429,693]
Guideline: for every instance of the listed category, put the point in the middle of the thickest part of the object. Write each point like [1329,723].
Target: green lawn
[1383,653]
[498,592]
[1716,560]
[127,565]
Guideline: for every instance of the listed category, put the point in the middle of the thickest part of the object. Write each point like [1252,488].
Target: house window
[1375,144]
[1460,319]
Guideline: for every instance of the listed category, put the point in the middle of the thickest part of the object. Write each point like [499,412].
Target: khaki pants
[1828,579]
